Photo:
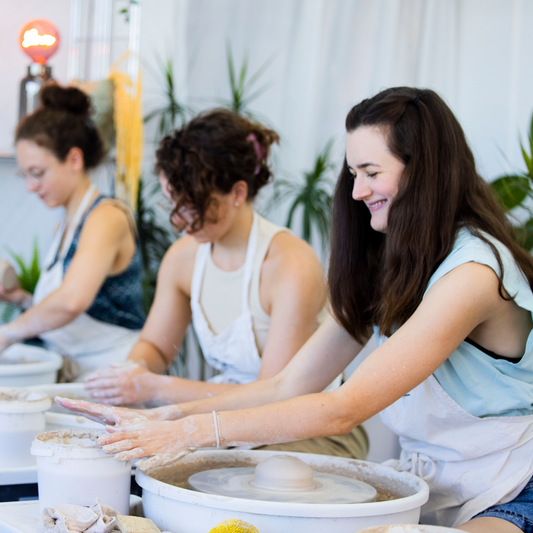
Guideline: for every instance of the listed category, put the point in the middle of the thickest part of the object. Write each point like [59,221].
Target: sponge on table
[234,526]
[134,524]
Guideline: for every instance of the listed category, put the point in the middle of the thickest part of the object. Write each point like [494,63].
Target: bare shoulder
[108,217]
[178,263]
[292,257]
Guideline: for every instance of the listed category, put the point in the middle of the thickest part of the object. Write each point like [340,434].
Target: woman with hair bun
[422,255]
[252,289]
[88,302]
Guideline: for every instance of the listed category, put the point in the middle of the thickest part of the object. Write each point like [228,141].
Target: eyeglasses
[35,174]
[166,205]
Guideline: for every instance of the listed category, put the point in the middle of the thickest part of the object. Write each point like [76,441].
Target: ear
[75,159]
[239,192]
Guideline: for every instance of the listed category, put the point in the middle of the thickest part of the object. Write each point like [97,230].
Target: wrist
[167,413]
[8,336]
[26,302]
[198,431]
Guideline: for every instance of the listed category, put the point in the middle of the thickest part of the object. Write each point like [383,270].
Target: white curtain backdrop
[330,54]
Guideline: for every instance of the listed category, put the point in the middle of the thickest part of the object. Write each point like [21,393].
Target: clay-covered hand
[104,414]
[121,384]
[167,438]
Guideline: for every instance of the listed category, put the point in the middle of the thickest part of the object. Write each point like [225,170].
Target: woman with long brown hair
[423,256]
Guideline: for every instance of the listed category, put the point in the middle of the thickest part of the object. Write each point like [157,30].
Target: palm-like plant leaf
[241,85]
[515,191]
[310,198]
[173,113]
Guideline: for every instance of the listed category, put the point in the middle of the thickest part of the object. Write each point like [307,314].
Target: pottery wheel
[281,479]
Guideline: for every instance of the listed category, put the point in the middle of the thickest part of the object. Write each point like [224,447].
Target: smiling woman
[87,303]
[442,282]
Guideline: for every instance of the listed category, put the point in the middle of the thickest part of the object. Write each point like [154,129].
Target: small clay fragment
[135,524]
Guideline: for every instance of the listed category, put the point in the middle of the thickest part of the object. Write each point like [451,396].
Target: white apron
[233,351]
[470,463]
[93,343]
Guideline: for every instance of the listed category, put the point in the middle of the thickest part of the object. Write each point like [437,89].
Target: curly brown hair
[63,122]
[209,155]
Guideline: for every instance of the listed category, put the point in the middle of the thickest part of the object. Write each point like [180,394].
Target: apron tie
[416,463]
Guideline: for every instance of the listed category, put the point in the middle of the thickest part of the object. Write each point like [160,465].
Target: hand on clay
[167,438]
[104,414]
[121,384]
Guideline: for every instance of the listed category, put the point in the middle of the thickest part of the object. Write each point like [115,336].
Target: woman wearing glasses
[87,303]
[252,289]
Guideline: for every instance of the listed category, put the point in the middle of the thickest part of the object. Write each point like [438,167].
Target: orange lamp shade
[39,39]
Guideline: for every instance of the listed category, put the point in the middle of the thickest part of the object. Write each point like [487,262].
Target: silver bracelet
[217,428]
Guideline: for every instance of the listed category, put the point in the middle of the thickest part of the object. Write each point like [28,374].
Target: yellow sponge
[234,526]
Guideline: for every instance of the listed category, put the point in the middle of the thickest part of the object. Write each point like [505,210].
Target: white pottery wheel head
[282,478]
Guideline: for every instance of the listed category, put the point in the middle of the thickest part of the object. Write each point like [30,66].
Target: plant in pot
[515,192]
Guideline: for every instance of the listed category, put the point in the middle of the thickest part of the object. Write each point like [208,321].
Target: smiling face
[52,180]
[376,172]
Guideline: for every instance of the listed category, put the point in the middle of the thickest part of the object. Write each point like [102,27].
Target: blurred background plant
[28,276]
[242,87]
[515,192]
[154,239]
[171,113]
[310,198]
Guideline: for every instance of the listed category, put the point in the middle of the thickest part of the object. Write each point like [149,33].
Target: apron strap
[249,265]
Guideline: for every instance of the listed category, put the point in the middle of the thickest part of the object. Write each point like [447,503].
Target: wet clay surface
[179,474]
[16,361]
[13,394]
[72,437]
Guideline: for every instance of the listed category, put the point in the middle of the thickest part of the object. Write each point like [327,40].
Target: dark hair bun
[66,99]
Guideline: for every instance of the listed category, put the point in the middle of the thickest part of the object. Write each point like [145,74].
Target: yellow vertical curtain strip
[129,135]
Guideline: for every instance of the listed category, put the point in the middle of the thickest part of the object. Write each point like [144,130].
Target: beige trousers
[354,445]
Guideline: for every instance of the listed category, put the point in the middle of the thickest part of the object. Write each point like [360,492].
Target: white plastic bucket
[22,365]
[21,419]
[73,468]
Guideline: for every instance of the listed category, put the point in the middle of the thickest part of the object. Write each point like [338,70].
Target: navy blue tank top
[119,301]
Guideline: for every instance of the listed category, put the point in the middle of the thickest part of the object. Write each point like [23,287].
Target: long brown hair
[210,154]
[380,279]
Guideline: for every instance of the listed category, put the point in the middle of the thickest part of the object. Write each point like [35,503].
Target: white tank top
[234,350]
[219,288]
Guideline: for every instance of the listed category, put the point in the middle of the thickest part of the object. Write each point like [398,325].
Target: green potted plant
[514,191]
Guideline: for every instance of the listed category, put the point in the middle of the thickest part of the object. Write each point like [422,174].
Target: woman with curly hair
[88,301]
[252,289]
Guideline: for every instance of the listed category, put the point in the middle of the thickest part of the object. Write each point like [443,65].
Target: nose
[360,189]
[32,185]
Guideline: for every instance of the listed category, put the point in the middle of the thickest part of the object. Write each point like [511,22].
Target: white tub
[21,419]
[409,528]
[42,368]
[185,511]
[73,468]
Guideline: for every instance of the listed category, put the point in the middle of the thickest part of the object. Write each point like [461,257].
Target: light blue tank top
[481,385]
